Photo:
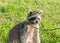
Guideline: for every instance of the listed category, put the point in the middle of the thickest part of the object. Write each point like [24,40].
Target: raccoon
[27,31]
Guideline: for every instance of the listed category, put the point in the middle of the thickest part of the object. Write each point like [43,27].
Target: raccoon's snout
[36,21]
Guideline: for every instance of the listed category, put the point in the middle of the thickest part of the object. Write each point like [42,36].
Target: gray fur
[26,32]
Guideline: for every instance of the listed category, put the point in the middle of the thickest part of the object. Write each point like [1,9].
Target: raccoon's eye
[33,18]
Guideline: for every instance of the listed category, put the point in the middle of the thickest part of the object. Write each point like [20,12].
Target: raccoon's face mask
[34,20]
[34,17]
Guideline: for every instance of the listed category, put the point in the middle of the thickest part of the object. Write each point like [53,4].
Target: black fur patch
[32,19]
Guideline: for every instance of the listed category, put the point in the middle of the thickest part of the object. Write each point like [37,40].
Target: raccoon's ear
[30,11]
[40,12]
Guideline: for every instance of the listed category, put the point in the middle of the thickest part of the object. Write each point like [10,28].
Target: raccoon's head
[34,17]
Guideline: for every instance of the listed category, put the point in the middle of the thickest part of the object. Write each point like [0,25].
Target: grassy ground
[15,11]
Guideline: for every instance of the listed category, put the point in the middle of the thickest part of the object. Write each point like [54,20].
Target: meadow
[13,12]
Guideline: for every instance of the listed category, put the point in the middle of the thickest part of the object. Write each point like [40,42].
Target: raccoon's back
[14,33]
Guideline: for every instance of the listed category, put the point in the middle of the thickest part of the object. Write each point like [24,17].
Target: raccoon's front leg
[36,38]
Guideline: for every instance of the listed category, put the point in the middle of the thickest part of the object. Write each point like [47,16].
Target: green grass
[13,12]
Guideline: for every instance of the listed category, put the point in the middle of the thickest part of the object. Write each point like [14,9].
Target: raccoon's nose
[36,21]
